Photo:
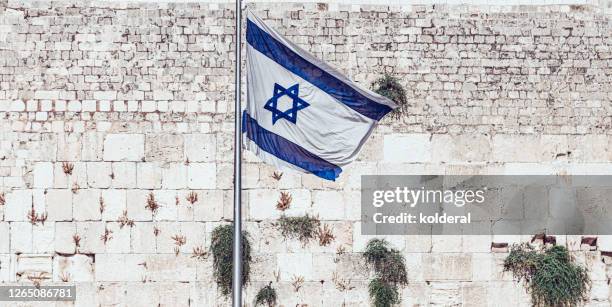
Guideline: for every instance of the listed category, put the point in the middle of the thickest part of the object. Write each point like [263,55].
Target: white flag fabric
[301,113]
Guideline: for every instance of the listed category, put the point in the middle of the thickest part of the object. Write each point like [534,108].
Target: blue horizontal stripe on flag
[287,150]
[284,56]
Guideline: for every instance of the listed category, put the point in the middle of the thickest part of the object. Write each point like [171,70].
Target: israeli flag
[301,113]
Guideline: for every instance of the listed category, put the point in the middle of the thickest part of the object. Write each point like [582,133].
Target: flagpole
[237,282]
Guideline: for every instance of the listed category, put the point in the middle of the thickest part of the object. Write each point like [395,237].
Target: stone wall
[104,104]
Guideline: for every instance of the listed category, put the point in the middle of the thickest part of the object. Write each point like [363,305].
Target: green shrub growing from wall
[303,228]
[266,296]
[221,248]
[389,86]
[550,275]
[390,269]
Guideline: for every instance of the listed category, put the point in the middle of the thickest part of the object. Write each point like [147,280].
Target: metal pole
[237,283]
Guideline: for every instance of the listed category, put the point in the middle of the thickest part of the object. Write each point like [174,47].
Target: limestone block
[225,176]
[250,175]
[43,236]
[447,266]
[164,147]
[416,294]
[407,148]
[504,294]
[92,146]
[77,179]
[105,95]
[64,242]
[460,148]
[516,148]
[353,207]
[168,209]
[124,175]
[474,295]
[111,293]
[90,233]
[590,148]
[170,267]
[125,267]
[77,268]
[32,265]
[295,264]
[114,204]
[418,243]
[168,230]
[447,243]
[99,174]
[600,291]
[195,235]
[142,294]
[311,294]
[262,204]
[265,236]
[324,266]
[414,266]
[185,209]
[173,293]
[329,205]
[41,148]
[483,267]
[174,176]
[136,202]
[200,147]
[445,294]
[43,175]
[143,238]
[86,205]
[148,175]
[163,95]
[119,238]
[597,268]
[201,175]
[124,147]
[18,204]
[289,179]
[263,266]
[351,175]
[59,204]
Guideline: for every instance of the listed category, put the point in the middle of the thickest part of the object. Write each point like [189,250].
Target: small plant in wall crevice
[550,275]
[389,86]
[390,270]
[303,228]
[221,248]
[266,296]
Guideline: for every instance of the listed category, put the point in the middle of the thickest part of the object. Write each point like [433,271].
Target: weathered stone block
[148,175]
[200,147]
[124,147]
[174,176]
[164,147]
[407,148]
[76,268]
[201,175]
[86,205]
[447,266]
[18,204]
[99,174]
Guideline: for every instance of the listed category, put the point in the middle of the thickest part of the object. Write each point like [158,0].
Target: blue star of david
[291,113]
